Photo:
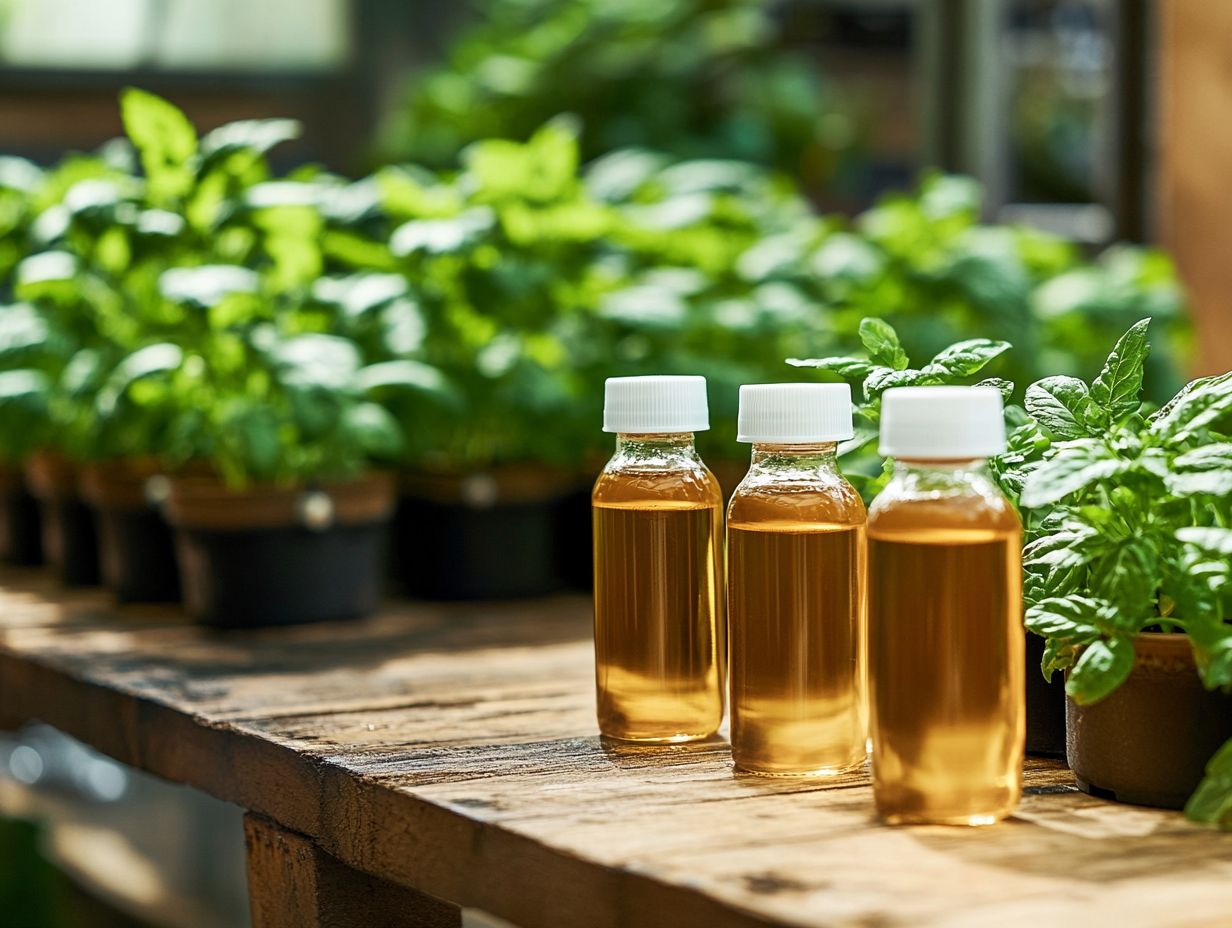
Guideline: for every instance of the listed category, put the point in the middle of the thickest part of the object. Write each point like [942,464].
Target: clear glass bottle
[659,629]
[946,641]
[795,530]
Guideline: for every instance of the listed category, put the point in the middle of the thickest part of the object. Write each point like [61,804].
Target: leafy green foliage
[1213,800]
[694,78]
[886,367]
[1129,527]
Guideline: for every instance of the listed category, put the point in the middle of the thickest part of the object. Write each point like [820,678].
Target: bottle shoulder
[692,486]
[822,500]
[973,503]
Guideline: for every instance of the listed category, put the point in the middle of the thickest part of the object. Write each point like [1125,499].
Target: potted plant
[502,262]
[112,232]
[278,514]
[1127,570]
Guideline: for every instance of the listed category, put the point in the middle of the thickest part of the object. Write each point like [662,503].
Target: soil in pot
[135,541]
[481,536]
[69,537]
[1045,705]
[1148,741]
[280,556]
[21,539]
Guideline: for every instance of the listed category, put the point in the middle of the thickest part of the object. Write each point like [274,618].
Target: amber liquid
[796,623]
[658,606]
[946,660]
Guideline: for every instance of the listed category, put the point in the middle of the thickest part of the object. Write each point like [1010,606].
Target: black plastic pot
[484,536]
[273,556]
[575,552]
[136,546]
[69,536]
[21,539]
[1149,740]
[1045,705]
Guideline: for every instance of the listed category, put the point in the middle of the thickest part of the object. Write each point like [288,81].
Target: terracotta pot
[490,535]
[21,540]
[272,555]
[70,541]
[1148,742]
[136,546]
[1045,705]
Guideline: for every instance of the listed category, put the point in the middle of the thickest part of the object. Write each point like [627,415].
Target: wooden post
[292,883]
[1195,140]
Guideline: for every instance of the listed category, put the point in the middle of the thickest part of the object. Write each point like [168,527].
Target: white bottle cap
[794,413]
[646,405]
[939,423]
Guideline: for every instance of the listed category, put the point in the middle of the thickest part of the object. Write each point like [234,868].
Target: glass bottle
[946,642]
[795,530]
[659,645]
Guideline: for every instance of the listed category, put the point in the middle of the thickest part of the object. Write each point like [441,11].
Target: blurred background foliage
[575,190]
[690,78]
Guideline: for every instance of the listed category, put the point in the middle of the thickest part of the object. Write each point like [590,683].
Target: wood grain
[293,884]
[452,750]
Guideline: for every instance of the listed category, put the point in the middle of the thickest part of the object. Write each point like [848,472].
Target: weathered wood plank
[294,884]
[453,750]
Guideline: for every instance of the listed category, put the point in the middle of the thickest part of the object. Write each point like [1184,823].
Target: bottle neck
[780,459]
[940,467]
[657,450]
[950,476]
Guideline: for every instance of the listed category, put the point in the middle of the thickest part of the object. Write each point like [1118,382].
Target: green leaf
[1118,385]
[328,362]
[1128,577]
[1214,540]
[165,139]
[152,359]
[407,374]
[1103,666]
[1198,404]
[1073,469]
[259,135]
[1070,617]
[1059,405]
[376,431]
[1060,550]
[1212,801]
[847,368]
[882,344]
[1005,387]
[963,359]
[1216,456]
[1205,483]
[207,284]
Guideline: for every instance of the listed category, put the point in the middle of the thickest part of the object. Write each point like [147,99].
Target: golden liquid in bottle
[796,625]
[946,659]
[658,605]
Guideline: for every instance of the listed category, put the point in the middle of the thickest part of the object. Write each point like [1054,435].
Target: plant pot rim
[204,502]
[487,487]
[52,475]
[123,483]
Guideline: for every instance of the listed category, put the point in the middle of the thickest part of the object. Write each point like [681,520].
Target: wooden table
[449,753]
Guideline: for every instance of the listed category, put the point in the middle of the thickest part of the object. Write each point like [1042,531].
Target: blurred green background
[420,235]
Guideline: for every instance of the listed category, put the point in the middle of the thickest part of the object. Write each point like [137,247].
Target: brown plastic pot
[20,531]
[135,542]
[490,535]
[1148,742]
[70,540]
[272,555]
